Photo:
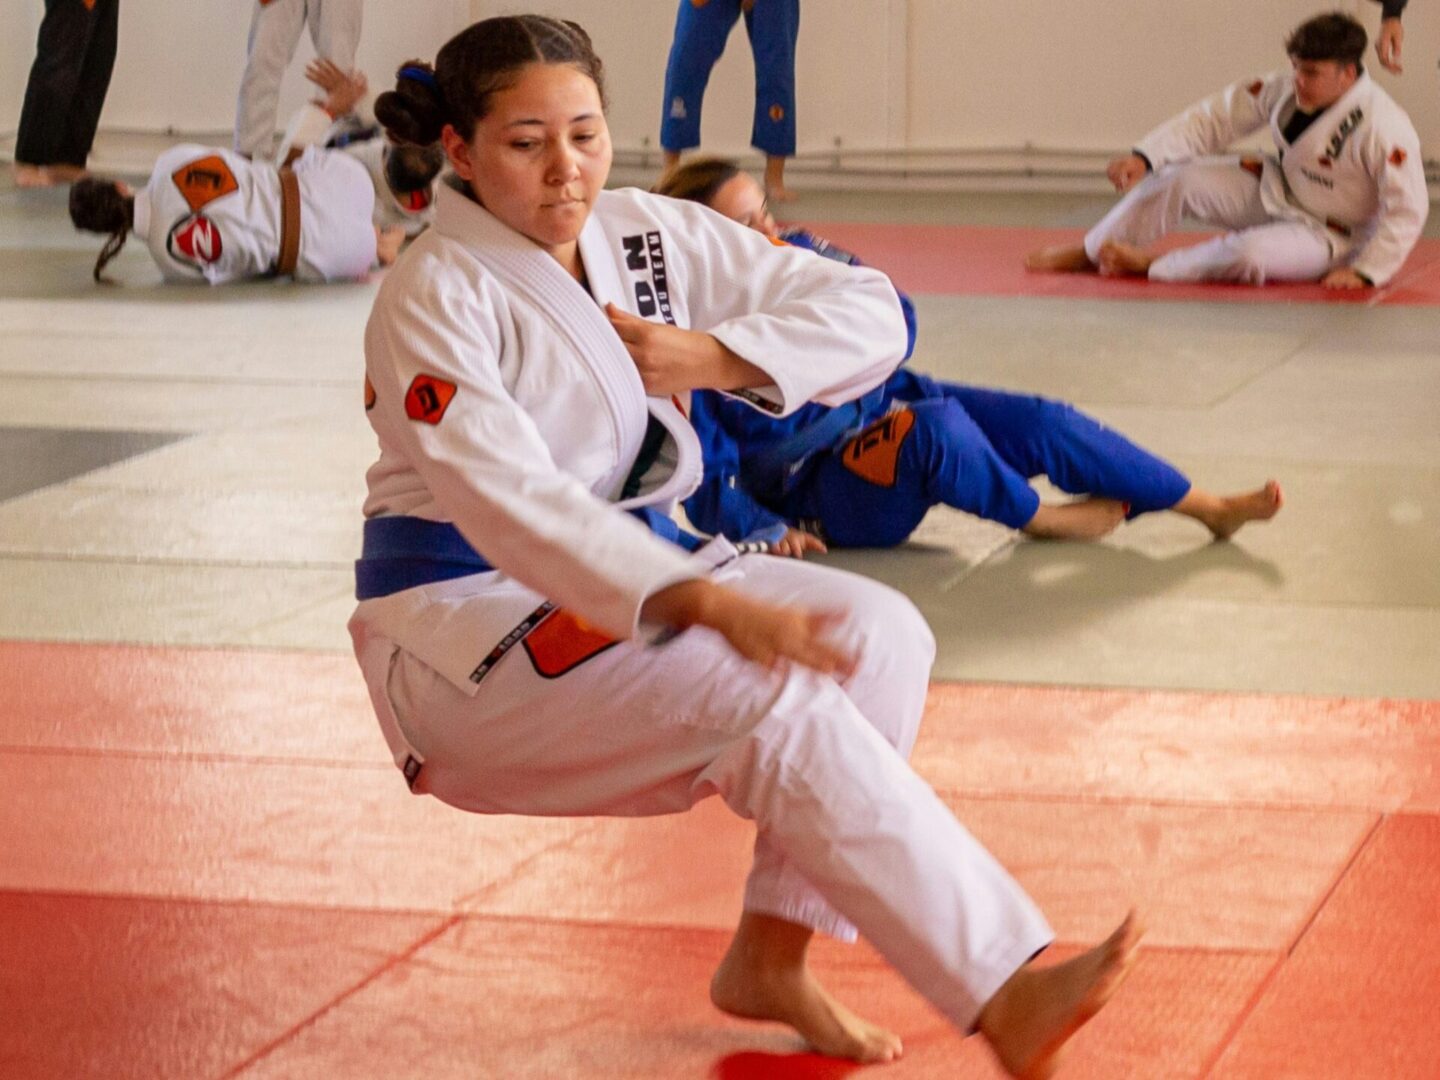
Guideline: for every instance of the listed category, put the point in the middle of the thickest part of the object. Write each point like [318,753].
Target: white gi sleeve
[822,330]
[1391,156]
[489,469]
[1211,125]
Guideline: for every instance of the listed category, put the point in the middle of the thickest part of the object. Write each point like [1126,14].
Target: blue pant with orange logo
[975,450]
[701,28]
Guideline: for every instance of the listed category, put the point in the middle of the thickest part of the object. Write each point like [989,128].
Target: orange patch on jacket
[428,398]
[562,643]
[204,180]
[1397,157]
[1255,87]
[874,454]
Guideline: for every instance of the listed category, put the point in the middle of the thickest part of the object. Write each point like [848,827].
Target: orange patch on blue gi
[428,398]
[562,643]
[204,180]
[777,113]
[1397,156]
[874,454]
[369,394]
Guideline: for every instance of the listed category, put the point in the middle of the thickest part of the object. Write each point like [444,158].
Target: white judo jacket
[1355,173]
[505,403]
[313,126]
[209,214]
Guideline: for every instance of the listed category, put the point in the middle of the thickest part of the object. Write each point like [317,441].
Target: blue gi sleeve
[720,505]
[804,238]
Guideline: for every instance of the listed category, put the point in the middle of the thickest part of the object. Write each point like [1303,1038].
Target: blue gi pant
[701,28]
[975,450]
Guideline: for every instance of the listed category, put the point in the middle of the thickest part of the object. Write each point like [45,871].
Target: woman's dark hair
[1333,36]
[698,179]
[472,66]
[411,168]
[99,206]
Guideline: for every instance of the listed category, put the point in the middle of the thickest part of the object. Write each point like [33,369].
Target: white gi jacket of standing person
[1355,173]
[212,215]
[505,402]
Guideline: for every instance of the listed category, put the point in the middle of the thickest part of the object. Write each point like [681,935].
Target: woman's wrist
[730,371]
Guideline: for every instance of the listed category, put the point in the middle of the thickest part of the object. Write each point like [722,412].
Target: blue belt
[773,471]
[403,552]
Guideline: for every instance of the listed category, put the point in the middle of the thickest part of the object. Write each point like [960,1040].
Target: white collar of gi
[141,223]
[526,271]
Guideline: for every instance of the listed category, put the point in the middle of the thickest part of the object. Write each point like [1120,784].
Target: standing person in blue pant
[701,28]
[865,474]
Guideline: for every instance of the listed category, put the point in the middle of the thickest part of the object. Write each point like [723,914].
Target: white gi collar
[529,273]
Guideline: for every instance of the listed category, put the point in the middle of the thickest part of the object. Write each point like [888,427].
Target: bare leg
[1124,260]
[1065,259]
[775,189]
[672,158]
[1084,519]
[764,977]
[1030,1018]
[1224,514]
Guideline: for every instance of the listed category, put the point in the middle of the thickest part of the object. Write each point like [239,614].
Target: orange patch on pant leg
[874,454]
[562,643]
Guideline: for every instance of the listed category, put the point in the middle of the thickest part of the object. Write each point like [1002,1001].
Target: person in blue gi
[865,474]
[701,28]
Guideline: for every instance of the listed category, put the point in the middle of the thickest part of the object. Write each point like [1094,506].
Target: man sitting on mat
[1341,202]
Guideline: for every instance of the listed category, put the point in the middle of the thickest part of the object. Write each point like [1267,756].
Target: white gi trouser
[1216,191]
[274,33]
[849,835]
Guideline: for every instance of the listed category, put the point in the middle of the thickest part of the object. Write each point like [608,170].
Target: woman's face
[741,199]
[540,157]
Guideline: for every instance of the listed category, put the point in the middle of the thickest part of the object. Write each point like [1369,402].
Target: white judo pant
[274,33]
[1216,191]
[848,835]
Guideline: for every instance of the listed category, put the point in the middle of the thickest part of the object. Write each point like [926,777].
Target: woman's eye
[586,137]
[524,144]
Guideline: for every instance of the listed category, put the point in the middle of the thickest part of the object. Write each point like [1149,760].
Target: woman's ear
[458,152]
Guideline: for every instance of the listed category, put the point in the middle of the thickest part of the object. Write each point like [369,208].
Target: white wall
[930,74]
[17,49]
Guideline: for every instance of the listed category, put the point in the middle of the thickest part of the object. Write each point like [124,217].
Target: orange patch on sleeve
[1397,157]
[428,398]
[874,454]
[562,643]
[204,180]
[369,394]
[1255,87]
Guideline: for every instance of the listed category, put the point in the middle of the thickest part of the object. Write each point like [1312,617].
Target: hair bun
[414,112]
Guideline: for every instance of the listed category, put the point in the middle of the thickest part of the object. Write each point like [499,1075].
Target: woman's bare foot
[775,189]
[1032,1016]
[764,977]
[1124,260]
[1084,519]
[1064,259]
[32,176]
[1224,514]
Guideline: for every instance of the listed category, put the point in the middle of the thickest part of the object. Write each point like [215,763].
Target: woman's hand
[768,634]
[671,360]
[795,543]
[343,89]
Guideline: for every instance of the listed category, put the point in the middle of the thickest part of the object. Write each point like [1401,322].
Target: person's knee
[1248,258]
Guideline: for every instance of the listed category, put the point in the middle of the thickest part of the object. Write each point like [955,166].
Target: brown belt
[289,223]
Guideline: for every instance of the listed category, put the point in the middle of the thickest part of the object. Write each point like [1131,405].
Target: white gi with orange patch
[209,214]
[1350,191]
[505,404]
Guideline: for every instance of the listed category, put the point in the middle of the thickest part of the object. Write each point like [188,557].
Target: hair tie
[420,75]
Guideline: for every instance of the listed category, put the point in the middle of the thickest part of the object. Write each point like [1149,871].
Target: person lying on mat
[1342,201]
[865,474]
[212,215]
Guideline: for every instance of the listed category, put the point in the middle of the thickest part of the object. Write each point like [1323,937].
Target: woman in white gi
[210,215]
[1342,203]
[532,648]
